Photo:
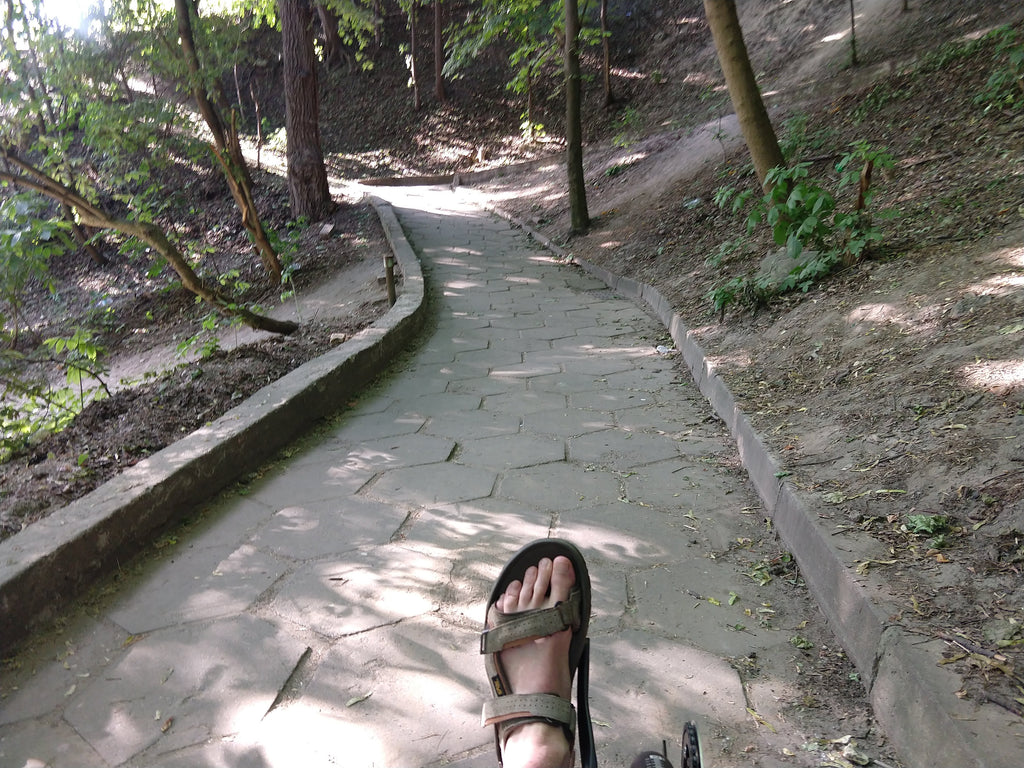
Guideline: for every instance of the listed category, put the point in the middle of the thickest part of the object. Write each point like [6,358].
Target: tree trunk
[853,35]
[580,219]
[308,191]
[739,78]
[334,52]
[416,102]
[438,53]
[226,146]
[92,215]
[606,63]
[82,238]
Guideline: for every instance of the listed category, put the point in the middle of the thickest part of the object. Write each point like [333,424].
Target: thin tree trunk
[853,35]
[334,53]
[438,53]
[580,218]
[416,103]
[226,146]
[739,78]
[606,63]
[92,215]
[82,239]
[308,191]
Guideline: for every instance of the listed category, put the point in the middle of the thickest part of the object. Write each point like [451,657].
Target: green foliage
[82,359]
[32,406]
[629,128]
[205,340]
[798,137]
[929,525]
[529,27]
[1005,86]
[802,214]
[27,242]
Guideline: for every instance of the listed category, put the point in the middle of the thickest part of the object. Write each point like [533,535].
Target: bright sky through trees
[69,13]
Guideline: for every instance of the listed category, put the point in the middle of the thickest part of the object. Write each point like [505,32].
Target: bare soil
[893,389]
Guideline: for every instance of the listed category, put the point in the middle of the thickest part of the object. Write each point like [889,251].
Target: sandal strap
[519,708]
[507,629]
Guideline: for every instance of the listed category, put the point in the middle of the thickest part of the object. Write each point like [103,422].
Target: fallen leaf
[760,720]
[166,726]
[358,699]
[942,559]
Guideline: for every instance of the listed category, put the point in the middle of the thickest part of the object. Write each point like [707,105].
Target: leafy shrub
[802,214]
[1005,86]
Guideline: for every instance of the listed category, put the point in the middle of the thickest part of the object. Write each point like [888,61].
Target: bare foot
[539,666]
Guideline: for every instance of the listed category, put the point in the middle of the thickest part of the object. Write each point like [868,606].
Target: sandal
[508,710]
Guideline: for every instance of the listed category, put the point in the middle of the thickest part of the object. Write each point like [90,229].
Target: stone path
[325,613]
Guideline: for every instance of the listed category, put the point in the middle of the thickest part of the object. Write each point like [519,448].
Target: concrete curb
[913,699]
[44,566]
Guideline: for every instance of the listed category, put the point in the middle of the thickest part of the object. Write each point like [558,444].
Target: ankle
[536,745]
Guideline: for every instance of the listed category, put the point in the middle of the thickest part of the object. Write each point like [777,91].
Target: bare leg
[539,666]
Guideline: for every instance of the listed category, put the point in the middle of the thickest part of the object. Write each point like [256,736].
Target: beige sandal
[508,710]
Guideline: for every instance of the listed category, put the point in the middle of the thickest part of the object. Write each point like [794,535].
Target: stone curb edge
[908,692]
[51,561]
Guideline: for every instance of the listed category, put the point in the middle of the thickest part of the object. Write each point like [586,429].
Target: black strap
[584,726]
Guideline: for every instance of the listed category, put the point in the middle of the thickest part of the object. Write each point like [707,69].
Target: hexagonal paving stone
[682,484]
[570,421]
[432,484]
[566,383]
[597,364]
[522,401]
[193,585]
[361,590]
[631,535]
[374,427]
[413,677]
[332,527]
[660,684]
[183,686]
[559,486]
[609,399]
[472,424]
[507,451]
[486,359]
[43,743]
[621,449]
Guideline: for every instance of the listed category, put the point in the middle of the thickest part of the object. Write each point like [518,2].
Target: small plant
[1005,86]
[531,131]
[802,214]
[83,358]
[725,249]
[614,170]
[629,123]
[928,525]
[205,339]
